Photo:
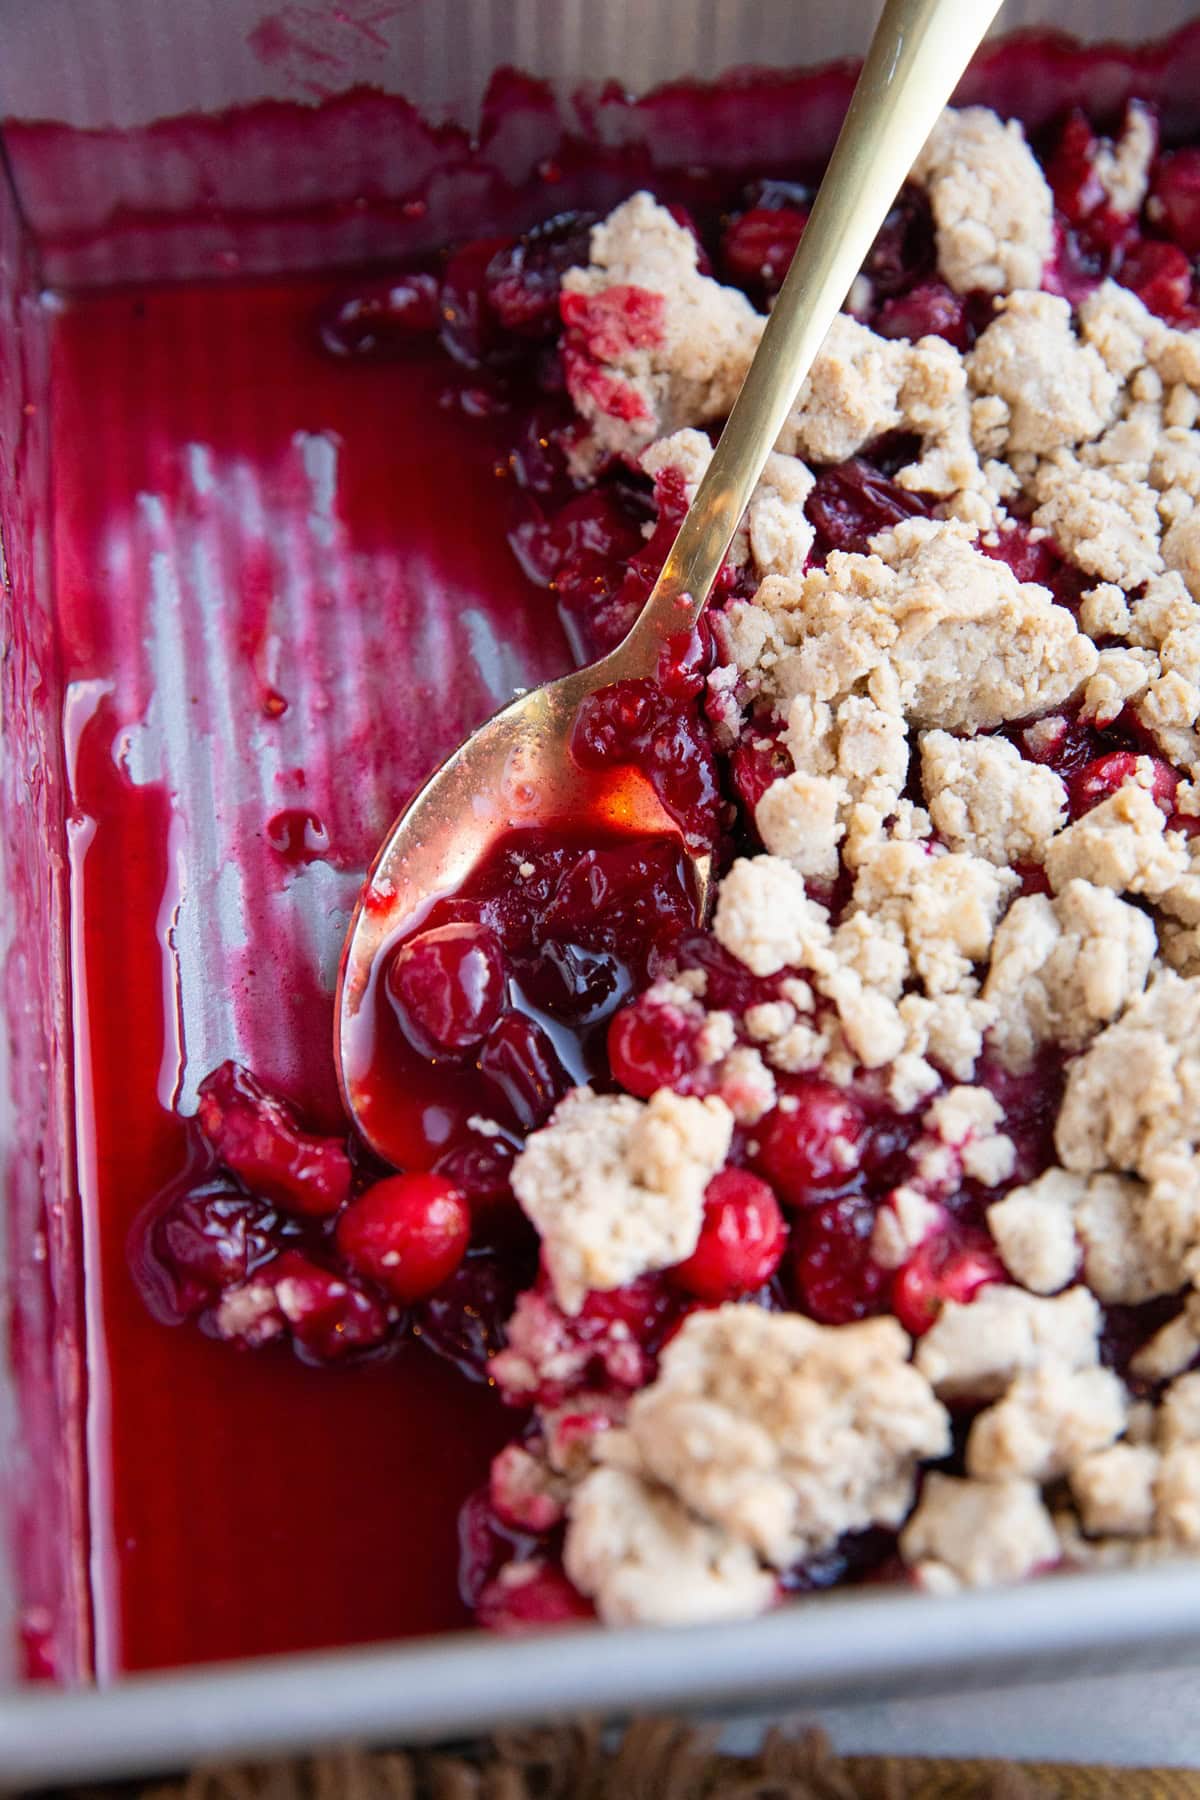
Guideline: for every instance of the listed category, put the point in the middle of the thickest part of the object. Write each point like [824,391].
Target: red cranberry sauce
[441,378]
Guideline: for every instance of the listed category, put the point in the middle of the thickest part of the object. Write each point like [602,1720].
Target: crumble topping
[977,1533]
[976,1350]
[616,1186]
[986,799]
[991,205]
[764,1437]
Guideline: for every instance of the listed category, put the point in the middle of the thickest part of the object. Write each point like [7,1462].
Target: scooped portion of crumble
[874,1240]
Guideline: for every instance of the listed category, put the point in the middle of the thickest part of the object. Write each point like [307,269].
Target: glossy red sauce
[246,1503]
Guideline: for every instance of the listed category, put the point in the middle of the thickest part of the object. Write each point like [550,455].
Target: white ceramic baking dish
[109,68]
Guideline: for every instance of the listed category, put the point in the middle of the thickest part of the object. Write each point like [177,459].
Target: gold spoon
[517,770]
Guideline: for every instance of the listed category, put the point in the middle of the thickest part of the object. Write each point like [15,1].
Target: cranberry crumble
[855,1227]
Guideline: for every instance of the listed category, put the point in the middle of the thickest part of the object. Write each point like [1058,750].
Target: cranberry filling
[533,977]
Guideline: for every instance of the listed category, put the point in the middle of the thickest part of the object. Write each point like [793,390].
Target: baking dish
[133,200]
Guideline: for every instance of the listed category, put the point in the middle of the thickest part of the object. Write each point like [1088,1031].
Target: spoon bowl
[518,770]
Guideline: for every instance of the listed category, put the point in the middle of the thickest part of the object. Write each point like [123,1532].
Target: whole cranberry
[930,310]
[741,1240]
[259,1138]
[812,1140]
[447,986]
[652,1044]
[522,1070]
[523,278]
[941,1269]
[213,1238]
[1174,199]
[837,1279]
[408,1233]
[758,247]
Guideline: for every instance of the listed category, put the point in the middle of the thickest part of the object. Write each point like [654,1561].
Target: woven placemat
[656,1759]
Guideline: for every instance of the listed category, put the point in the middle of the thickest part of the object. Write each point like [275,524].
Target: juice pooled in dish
[848,1232]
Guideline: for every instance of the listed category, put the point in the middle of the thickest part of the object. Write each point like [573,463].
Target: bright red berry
[409,1233]
[447,986]
[741,1240]
[812,1140]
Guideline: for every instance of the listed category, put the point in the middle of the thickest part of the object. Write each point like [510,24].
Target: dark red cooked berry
[522,1069]
[1161,277]
[741,1241]
[930,310]
[1102,777]
[1174,199]
[757,248]
[903,253]
[464,1321]
[530,1597]
[381,318]
[407,1232]
[812,1141]
[759,760]
[523,279]
[837,1279]
[211,1239]
[1078,190]
[447,986]
[941,1269]
[479,1168]
[652,1044]
[469,329]
[328,1314]
[259,1138]
[851,502]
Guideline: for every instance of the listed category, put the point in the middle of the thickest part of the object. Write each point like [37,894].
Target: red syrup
[245,1503]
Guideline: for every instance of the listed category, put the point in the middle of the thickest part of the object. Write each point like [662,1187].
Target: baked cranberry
[523,279]
[760,759]
[329,1315]
[1105,775]
[381,318]
[836,1277]
[635,722]
[851,502]
[1029,558]
[757,248]
[1161,277]
[741,1240]
[1071,171]
[211,1239]
[610,1344]
[407,1232]
[478,1168]
[530,1597]
[930,310]
[941,1269]
[464,1321]
[469,330]
[259,1138]
[522,1068]
[652,1045]
[1174,199]
[903,253]
[447,986]
[812,1140]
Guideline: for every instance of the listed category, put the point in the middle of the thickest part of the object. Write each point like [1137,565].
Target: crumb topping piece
[991,205]
[615,1186]
[977,1533]
[783,1433]
[984,797]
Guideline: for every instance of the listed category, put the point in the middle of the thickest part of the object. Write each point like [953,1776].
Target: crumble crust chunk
[764,1437]
[991,205]
[616,1186]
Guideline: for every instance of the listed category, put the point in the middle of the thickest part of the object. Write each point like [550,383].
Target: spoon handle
[919,51]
